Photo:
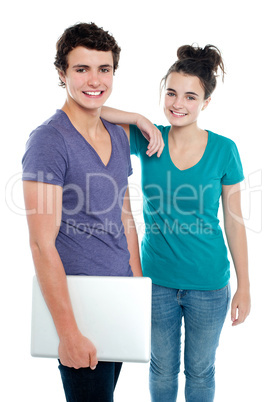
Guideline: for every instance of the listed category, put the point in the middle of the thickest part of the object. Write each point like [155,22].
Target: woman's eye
[170,94]
[190,98]
[81,70]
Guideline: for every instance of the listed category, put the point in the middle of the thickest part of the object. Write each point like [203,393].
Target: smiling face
[184,99]
[88,78]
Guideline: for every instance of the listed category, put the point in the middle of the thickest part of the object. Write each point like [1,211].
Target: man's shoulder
[50,131]
[117,132]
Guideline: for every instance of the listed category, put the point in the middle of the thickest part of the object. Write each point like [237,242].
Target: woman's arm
[149,131]
[236,237]
[44,205]
[131,235]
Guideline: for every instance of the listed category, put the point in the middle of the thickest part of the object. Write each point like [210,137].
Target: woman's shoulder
[221,140]
[163,129]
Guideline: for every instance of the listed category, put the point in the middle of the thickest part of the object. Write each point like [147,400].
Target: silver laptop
[113,312]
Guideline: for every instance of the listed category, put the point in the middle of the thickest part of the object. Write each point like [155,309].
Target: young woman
[183,249]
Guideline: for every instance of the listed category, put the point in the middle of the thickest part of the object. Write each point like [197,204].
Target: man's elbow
[41,247]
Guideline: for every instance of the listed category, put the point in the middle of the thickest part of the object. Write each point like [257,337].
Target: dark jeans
[86,385]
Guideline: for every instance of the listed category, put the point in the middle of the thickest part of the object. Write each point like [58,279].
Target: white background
[149,33]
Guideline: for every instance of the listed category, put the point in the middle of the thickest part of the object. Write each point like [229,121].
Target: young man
[75,172]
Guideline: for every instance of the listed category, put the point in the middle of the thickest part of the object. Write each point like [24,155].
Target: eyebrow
[192,93]
[187,93]
[86,66]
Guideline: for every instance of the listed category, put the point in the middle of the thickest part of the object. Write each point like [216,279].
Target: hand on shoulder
[152,134]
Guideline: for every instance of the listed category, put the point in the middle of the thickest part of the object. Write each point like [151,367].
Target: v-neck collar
[88,144]
[196,164]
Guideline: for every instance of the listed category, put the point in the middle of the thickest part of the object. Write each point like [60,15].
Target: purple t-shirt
[91,239]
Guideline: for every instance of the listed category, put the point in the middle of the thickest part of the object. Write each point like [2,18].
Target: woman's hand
[149,131]
[152,134]
[240,306]
[237,242]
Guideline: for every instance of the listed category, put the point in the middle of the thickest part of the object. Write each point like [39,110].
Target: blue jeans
[86,385]
[204,314]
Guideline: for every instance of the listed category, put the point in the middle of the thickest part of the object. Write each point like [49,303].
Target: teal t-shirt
[183,245]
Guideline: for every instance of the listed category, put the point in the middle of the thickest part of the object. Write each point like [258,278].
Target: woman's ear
[206,102]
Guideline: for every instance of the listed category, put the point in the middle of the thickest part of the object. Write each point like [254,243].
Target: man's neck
[85,121]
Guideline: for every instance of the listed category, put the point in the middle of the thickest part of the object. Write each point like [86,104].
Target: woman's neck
[185,134]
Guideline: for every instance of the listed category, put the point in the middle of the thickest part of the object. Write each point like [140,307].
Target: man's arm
[149,131]
[44,206]
[131,235]
[236,237]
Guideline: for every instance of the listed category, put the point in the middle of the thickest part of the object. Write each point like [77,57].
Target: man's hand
[77,351]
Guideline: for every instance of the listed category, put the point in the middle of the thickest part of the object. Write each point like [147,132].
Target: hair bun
[210,55]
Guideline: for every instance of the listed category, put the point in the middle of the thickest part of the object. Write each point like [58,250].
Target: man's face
[89,77]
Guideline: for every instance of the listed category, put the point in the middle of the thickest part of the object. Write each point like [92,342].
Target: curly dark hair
[86,35]
[202,63]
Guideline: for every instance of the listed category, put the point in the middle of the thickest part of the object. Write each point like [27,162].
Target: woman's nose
[177,104]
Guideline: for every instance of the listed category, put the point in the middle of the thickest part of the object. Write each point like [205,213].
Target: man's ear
[62,76]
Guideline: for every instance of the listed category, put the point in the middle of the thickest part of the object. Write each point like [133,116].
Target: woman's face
[184,99]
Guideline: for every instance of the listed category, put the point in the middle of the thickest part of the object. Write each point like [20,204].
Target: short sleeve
[45,158]
[137,141]
[233,170]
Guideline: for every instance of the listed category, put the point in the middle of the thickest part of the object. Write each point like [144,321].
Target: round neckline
[196,164]
[86,142]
